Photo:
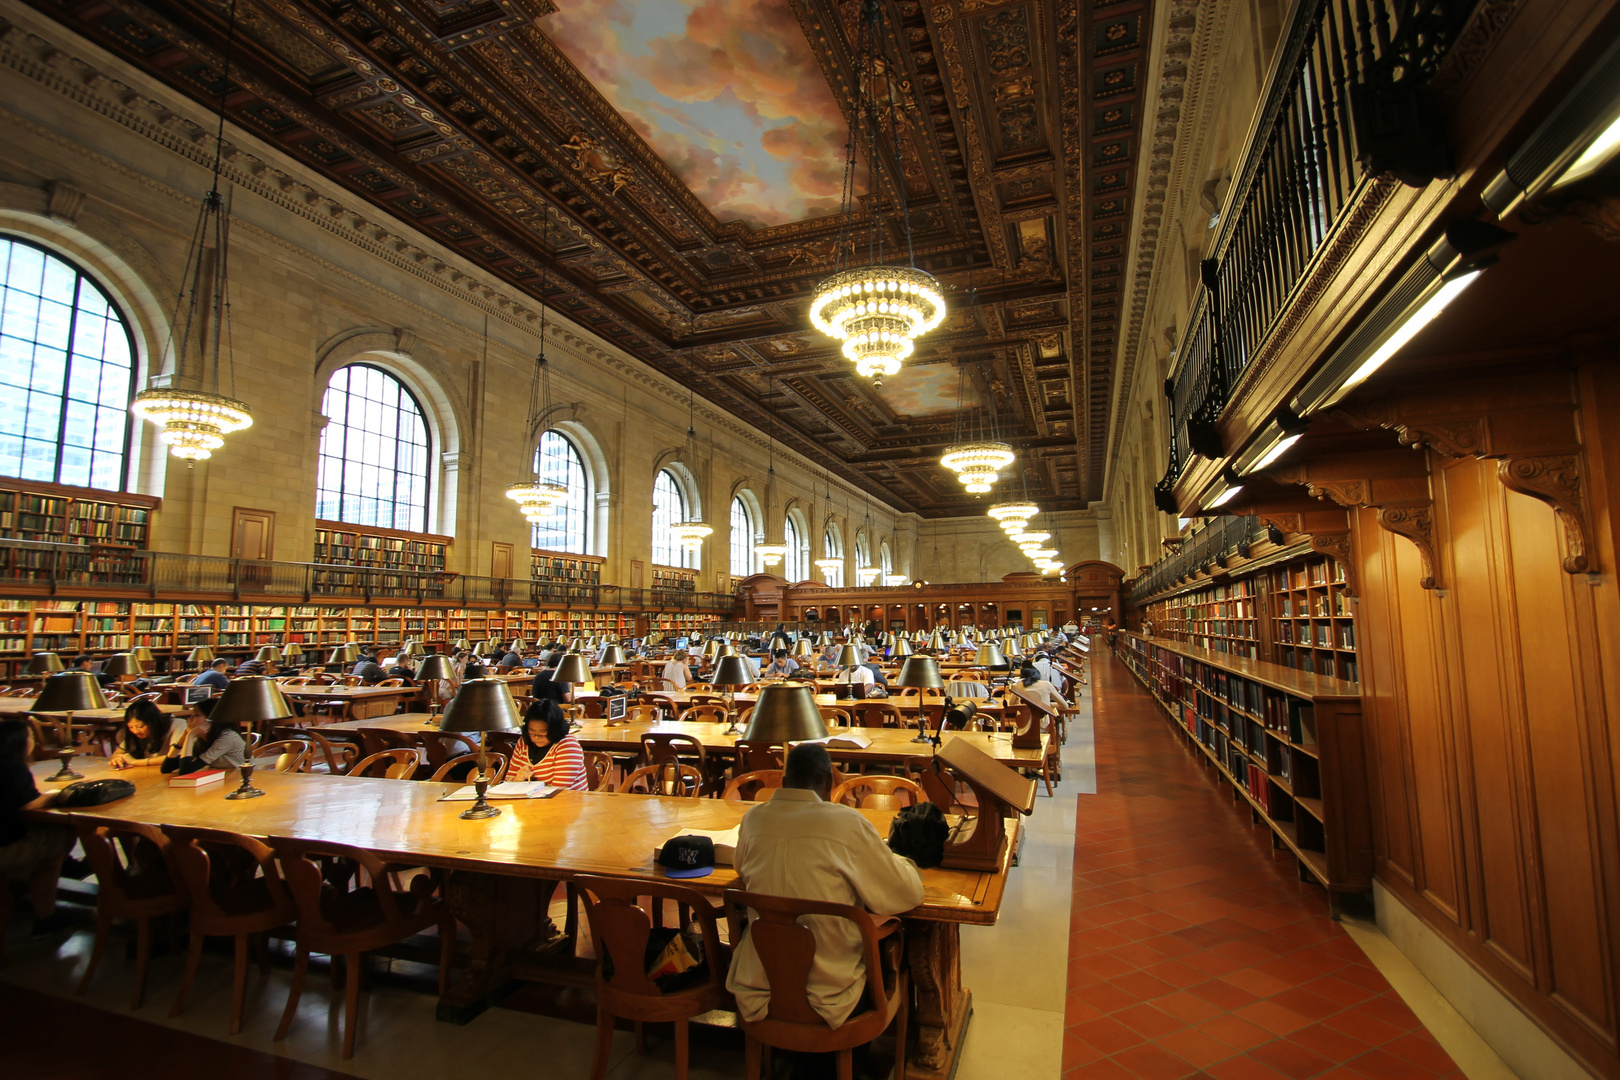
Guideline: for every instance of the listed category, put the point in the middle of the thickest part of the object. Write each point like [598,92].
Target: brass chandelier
[878,311]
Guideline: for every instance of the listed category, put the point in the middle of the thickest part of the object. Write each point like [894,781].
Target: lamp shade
[849,656]
[70,691]
[201,656]
[413,648]
[269,654]
[461,643]
[572,668]
[143,654]
[902,648]
[614,654]
[124,665]
[786,712]
[826,637]
[577,645]
[481,648]
[731,671]
[518,645]
[921,672]
[728,649]
[344,654]
[481,705]
[435,667]
[938,642]
[990,655]
[291,651]
[252,699]
[44,663]
[712,647]
[802,647]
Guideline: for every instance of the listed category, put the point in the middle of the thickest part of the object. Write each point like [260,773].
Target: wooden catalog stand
[981,842]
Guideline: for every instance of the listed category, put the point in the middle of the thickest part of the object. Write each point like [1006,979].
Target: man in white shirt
[676,672]
[803,846]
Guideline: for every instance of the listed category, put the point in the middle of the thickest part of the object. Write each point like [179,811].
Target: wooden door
[252,533]
[500,560]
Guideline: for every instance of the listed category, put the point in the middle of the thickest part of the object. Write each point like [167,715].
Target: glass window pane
[372,464]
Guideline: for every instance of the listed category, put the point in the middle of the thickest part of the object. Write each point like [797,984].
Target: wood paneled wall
[1491,705]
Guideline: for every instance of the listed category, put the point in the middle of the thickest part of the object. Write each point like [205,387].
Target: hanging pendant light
[194,423]
[536,496]
[877,311]
[691,533]
[977,462]
[866,575]
[1006,514]
[829,566]
[770,554]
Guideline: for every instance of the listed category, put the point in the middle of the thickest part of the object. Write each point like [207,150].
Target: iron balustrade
[1205,549]
[35,566]
[1344,103]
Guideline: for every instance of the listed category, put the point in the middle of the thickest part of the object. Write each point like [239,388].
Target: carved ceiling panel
[469,121]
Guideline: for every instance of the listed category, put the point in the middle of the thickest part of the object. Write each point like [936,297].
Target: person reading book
[801,844]
[546,752]
[29,851]
[146,737]
[209,745]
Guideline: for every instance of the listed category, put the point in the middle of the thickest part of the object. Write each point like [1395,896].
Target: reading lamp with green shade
[69,692]
[44,663]
[921,672]
[730,673]
[785,712]
[481,705]
[434,669]
[251,700]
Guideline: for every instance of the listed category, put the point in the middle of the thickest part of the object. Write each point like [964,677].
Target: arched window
[863,551]
[66,373]
[832,547]
[558,461]
[793,562]
[669,507]
[742,539]
[373,464]
[885,560]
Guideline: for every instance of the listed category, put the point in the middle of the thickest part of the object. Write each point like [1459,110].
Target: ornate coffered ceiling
[470,121]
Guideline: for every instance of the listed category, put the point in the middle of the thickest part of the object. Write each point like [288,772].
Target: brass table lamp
[201,656]
[44,663]
[344,654]
[251,700]
[481,705]
[923,673]
[268,654]
[123,666]
[730,673]
[431,673]
[786,712]
[69,692]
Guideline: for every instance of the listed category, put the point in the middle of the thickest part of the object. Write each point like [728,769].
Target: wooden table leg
[934,955]
[508,919]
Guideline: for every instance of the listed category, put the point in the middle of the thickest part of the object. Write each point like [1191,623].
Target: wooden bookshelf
[1288,743]
[373,556]
[109,526]
[674,579]
[558,566]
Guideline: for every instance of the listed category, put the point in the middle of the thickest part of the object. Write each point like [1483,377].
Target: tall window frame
[558,460]
[832,547]
[67,372]
[744,563]
[669,507]
[373,466]
[793,561]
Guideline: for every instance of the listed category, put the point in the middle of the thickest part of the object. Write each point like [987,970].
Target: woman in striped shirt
[546,752]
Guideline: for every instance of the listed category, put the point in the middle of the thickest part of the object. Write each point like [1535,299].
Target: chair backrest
[877,714]
[144,870]
[709,713]
[20,691]
[395,764]
[836,717]
[641,714]
[461,770]
[376,740]
[699,688]
[284,755]
[909,691]
[620,927]
[668,777]
[879,792]
[392,682]
[595,708]
[598,770]
[152,696]
[660,744]
[756,786]
[441,746]
[787,950]
[304,873]
[339,757]
[756,754]
[189,857]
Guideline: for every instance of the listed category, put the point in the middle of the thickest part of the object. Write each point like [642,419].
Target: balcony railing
[1207,549]
[1344,103]
[30,567]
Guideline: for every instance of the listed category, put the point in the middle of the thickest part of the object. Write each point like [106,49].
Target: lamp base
[64,773]
[480,807]
[247,790]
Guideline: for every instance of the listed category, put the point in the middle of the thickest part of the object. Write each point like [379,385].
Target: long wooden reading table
[497,865]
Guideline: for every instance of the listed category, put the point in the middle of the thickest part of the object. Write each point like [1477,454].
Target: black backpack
[919,833]
[93,793]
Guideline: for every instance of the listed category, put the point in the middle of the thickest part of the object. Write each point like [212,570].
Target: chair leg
[239,983]
[681,1043]
[447,952]
[103,928]
[261,948]
[351,1003]
[641,1038]
[750,1058]
[300,969]
[604,1043]
[143,959]
[903,1014]
[846,1065]
[193,958]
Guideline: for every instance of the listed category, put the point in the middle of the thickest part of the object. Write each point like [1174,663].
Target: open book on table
[511,789]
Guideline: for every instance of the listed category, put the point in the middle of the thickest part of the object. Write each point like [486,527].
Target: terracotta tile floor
[1194,951]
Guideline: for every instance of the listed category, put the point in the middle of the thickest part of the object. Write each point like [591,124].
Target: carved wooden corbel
[1395,483]
[1556,481]
[1327,530]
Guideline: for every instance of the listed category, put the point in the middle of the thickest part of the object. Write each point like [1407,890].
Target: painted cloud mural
[727,92]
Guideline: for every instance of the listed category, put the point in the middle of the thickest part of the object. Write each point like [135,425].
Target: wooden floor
[1194,951]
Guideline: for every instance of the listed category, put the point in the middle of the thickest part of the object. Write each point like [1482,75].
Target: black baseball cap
[687,857]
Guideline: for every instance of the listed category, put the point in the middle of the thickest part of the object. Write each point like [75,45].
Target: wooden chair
[395,764]
[20,691]
[757,786]
[284,755]
[699,688]
[595,709]
[152,696]
[376,740]
[460,770]
[836,717]
[642,714]
[756,754]
[668,777]
[441,746]
[656,745]
[392,682]
[715,714]
[335,758]
[879,792]
[787,950]
[137,886]
[877,714]
[226,903]
[599,770]
[620,927]
[351,922]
